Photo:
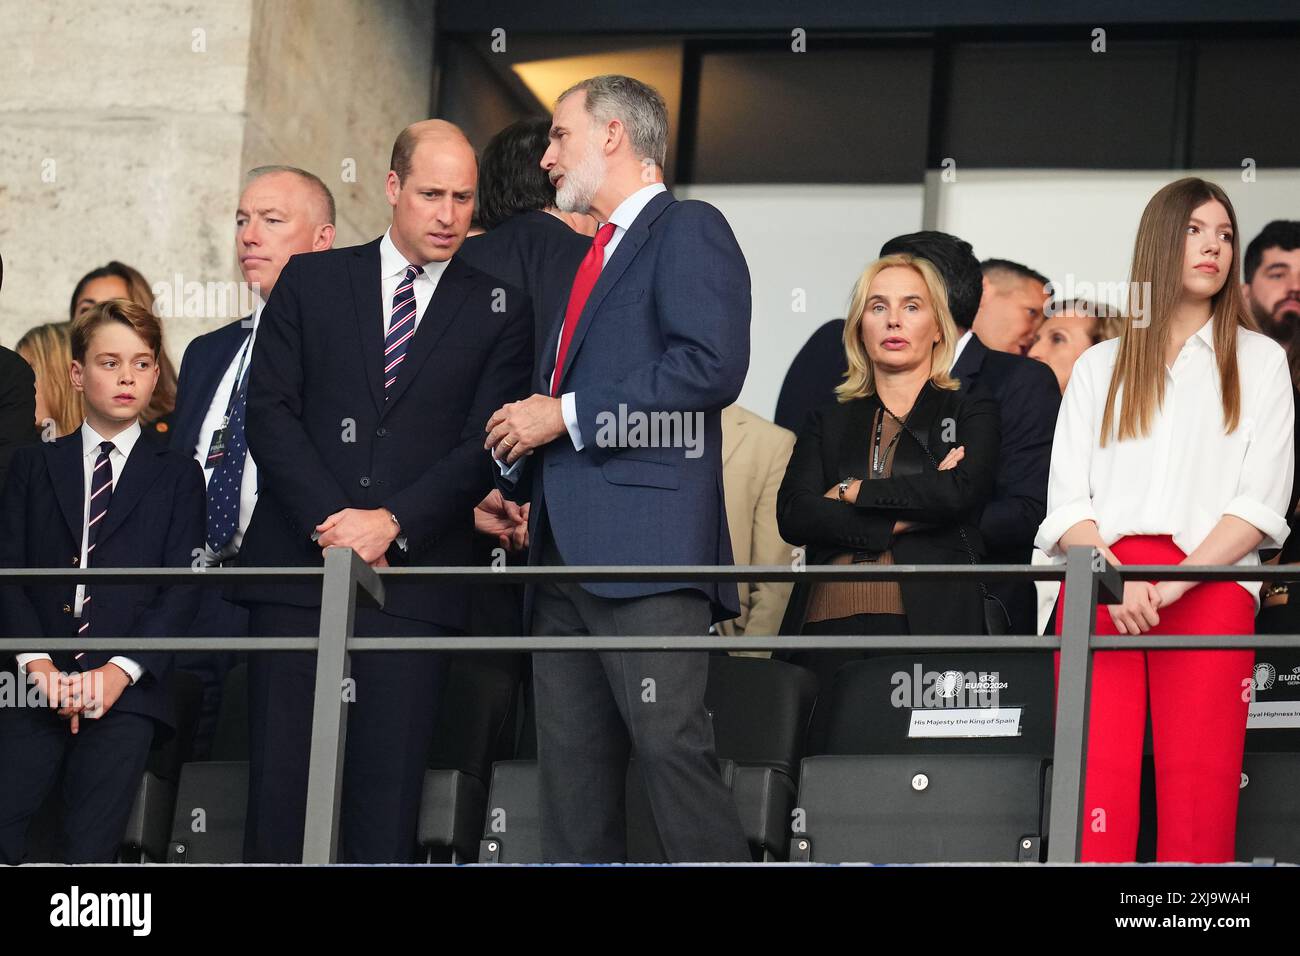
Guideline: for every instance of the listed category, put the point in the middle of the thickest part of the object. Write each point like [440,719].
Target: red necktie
[583,283]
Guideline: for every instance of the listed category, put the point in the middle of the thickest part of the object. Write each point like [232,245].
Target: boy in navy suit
[104,496]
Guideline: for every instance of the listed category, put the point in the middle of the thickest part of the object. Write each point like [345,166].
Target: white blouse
[1186,473]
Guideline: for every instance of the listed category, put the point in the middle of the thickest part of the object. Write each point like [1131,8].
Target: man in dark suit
[1028,399]
[283,211]
[533,245]
[374,369]
[104,496]
[17,403]
[655,332]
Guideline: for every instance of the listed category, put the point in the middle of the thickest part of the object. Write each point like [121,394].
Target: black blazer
[1028,398]
[835,444]
[205,362]
[325,438]
[156,519]
[535,252]
[17,406]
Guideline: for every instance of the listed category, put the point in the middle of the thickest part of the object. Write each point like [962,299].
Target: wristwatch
[844,487]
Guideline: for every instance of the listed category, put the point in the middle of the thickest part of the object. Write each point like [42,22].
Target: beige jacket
[755,453]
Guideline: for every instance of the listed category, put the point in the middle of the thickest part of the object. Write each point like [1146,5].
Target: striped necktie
[400,328]
[101,493]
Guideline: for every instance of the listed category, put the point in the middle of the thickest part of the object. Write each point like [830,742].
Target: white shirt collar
[961,344]
[393,263]
[124,441]
[1206,333]
[631,207]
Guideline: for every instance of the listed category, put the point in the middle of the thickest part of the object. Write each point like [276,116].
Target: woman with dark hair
[899,469]
[1174,445]
[117,280]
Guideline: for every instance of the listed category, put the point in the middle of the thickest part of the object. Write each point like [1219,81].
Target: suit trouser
[99,770]
[217,617]
[389,728]
[1199,701]
[594,708]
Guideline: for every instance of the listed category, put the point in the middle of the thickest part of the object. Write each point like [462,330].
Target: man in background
[282,211]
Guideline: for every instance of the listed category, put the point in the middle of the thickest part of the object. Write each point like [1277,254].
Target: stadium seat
[145,840]
[511,827]
[894,808]
[758,747]
[872,701]
[1268,812]
[451,816]
[208,824]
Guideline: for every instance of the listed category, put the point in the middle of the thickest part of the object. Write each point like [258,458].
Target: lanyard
[239,380]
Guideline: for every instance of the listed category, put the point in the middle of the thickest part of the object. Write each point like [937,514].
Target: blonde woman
[48,350]
[1174,445]
[861,486]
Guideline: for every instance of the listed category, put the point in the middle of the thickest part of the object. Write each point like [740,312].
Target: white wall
[1083,223]
[1063,223]
[805,237]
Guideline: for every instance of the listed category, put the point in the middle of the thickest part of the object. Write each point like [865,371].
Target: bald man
[373,371]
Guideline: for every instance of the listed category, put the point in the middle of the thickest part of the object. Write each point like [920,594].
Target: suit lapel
[627,249]
[368,307]
[141,471]
[224,352]
[63,460]
[967,369]
[452,289]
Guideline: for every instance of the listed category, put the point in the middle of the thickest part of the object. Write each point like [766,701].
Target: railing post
[338,605]
[1083,567]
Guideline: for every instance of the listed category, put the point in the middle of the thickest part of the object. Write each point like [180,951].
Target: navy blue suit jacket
[665,330]
[325,438]
[155,520]
[536,252]
[206,360]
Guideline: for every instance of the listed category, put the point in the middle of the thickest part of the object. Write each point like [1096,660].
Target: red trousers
[1199,700]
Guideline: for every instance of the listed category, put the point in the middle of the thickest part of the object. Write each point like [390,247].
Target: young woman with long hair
[1174,445]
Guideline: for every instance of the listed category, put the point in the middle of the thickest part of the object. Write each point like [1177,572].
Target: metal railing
[345,579]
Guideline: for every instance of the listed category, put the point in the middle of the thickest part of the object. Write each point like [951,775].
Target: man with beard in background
[1271,284]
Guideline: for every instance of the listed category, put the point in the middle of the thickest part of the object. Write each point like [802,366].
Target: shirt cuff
[1272,524]
[1060,521]
[509,473]
[133,670]
[25,659]
[569,408]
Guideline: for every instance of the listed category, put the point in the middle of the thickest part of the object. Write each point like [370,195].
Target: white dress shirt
[392,267]
[961,345]
[1186,474]
[622,218]
[123,443]
[212,420]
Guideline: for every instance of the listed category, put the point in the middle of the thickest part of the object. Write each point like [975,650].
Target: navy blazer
[665,331]
[536,252]
[156,519]
[205,362]
[1028,398]
[325,437]
[17,406]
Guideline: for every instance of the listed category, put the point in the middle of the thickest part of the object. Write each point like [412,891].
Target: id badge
[217,449]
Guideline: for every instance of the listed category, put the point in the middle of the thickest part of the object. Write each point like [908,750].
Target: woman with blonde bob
[898,470]
[1174,445]
[48,350]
